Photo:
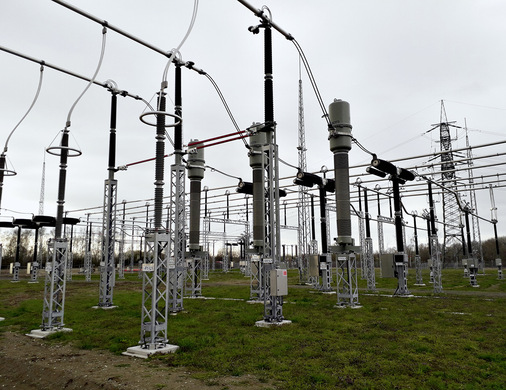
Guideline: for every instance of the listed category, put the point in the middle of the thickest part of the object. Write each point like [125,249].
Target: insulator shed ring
[8,172]
[72,152]
[178,119]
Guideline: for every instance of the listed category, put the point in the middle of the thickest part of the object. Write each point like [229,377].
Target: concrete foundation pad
[144,353]
[348,306]
[2,319]
[329,292]
[33,282]
[104,307]
[41,334]
[252,301]
[419,284]
[265,324]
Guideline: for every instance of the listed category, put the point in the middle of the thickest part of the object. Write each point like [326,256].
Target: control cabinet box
[279,282]
[387,265]
[314,266]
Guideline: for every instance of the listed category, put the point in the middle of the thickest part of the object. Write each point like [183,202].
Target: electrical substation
[406,215]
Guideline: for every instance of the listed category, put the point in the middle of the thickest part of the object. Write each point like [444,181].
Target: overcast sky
[393,61]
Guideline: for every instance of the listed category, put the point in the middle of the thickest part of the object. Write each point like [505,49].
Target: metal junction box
[387,266]
[279,282]
[314,269]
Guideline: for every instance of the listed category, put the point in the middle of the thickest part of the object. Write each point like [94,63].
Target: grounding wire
[104,32]
[227,108]
[29,109]
[223,173]
[287,164]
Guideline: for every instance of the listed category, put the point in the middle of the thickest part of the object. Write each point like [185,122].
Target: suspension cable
[104,33]
[29,109]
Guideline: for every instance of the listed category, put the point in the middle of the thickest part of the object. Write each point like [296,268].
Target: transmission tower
[451,211]
[475,223]
[303,233]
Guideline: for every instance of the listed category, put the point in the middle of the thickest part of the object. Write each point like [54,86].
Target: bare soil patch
[27,363]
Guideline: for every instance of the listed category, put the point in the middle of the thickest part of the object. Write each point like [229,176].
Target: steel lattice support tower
[205,240]
[361,236]
[155,292]
[451,211]
[54,287]
[107,272]
[87,252]
[121,259]
[418,259]
[327,272]
[177,237]
[434,247]
[368,258]
[361,231]
[303,233]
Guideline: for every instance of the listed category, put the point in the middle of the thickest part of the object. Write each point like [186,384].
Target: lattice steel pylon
[303,233]
[451,211]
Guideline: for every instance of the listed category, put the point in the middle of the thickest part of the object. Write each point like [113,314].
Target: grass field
[454,340]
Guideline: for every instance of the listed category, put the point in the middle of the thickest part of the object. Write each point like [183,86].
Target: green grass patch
[453,340]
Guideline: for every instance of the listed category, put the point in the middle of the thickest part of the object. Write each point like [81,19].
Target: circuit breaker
[279,282]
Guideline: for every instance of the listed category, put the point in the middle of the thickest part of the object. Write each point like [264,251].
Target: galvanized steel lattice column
[368,248]
[107,272]
[121,260]
[87,252]
[205,260]
[435,250]
[177,237]
[54,286]
[155,292]
[361,236]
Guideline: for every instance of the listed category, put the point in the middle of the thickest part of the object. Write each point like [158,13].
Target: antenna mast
[303,215]
[42,187]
